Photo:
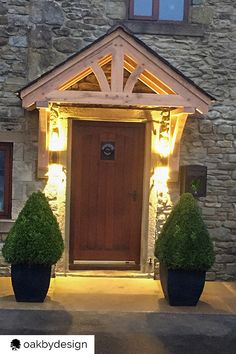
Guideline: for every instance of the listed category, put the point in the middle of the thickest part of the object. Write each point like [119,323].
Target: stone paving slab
[120,295]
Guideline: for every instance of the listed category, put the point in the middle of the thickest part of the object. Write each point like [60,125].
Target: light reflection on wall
[160,177]
[55,188]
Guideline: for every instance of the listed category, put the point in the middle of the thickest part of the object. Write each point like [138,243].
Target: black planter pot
[30,282]
[180,287]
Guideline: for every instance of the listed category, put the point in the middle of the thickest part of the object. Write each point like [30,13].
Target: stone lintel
[172,29]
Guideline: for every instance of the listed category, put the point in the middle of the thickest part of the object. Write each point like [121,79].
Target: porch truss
[116,71]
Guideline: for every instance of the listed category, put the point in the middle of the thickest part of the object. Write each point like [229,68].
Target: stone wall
[37,35]
[211,141]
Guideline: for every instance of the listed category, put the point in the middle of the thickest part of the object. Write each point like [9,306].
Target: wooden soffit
[122,71]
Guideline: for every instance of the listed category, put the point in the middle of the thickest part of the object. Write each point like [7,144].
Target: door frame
[145,227]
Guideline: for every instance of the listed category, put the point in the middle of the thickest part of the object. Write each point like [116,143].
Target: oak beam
[41,104]
[116,114]
[43,153]
[177,127]
[121,99]
[117,68]
[181,110]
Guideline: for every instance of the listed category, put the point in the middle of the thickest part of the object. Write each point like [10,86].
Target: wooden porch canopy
[122,72]
[168,86]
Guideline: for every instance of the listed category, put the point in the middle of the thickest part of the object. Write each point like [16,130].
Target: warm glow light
[56,176]
[161,143]
[55,171]
[55,143]
[57,136]
[161,176]
[163,147]
[55,190]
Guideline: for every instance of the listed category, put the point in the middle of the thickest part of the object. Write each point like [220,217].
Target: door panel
[106,191]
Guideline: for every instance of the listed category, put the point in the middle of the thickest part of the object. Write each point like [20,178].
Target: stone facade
[37,35]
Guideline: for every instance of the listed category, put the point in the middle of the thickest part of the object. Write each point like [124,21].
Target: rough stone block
[202,15]
[22,171]
[222,258]
[231,268]
[224,144]
[116,10]
[225,245]
[3,41]
[229,137]
[232,192]
[205,127]
[213,205]
[227,166]
[208,211]
[220,234]
[68,45]
[3,9]
[233,93]
[210,276]
[40,37]
[225,129]
[18,151]
[3,20]
[234,175]
[232,158]
[52,13]
[214,114]
[18,41]
[230,224]
[47,12]
[19,191]
[4,237]
[214,150]
[211,198]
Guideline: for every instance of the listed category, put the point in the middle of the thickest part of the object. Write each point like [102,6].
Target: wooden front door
[106,193]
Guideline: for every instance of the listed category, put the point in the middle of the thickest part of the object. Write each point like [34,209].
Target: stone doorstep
[106,274]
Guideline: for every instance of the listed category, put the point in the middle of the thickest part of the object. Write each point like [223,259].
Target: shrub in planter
[185,252]
[33,245]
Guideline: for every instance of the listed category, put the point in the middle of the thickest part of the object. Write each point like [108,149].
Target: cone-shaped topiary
[35,237]
[184,242]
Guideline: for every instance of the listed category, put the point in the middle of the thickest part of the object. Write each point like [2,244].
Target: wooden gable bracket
[177,123]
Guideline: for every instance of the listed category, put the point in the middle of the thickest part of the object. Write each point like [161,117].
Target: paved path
[127,316]
[120,294]
[131,333]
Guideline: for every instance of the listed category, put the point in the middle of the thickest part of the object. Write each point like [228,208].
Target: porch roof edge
[113,29]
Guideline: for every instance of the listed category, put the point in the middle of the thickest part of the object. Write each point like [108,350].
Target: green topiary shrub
[35,237]
[184,242]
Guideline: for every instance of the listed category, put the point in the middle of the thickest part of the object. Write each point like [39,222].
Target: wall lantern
[54,146]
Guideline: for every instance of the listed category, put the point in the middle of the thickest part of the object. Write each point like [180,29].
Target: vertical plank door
[106,191]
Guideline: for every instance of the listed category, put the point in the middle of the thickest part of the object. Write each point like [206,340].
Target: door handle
[134,195]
